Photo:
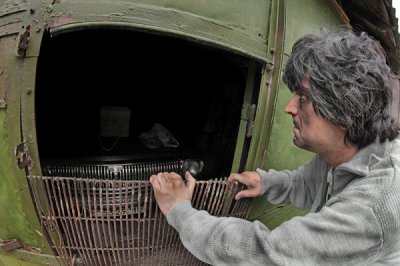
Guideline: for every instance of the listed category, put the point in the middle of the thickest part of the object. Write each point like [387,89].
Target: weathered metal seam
[269,85]
[277,59]
[169,32]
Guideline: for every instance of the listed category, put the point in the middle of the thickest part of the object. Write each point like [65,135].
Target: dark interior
[195,91]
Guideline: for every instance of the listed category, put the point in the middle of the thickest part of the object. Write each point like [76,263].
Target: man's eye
[304,97]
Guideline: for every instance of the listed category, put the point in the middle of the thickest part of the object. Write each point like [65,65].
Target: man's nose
[292,106]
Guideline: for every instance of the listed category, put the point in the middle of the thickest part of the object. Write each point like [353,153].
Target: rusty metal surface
[22,156]
[10,244]
[117,222]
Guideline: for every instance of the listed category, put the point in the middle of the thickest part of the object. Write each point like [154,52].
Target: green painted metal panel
[244,121]
[272,215]
[308,16]
[24,258]
[234,25]
[17,216]
[247,17]
[12,261]
[13,222]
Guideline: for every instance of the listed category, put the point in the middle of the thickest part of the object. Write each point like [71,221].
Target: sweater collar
[358,166]
[361,161]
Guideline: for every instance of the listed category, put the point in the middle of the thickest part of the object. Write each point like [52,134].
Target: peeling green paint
[18,217]
[242,29]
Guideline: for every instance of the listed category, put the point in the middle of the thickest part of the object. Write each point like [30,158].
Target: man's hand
[169,189]
[252,180]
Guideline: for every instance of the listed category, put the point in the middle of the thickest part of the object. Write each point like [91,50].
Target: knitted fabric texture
[354,218]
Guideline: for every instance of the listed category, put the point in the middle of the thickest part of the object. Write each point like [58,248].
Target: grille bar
[129,171]
[117,222]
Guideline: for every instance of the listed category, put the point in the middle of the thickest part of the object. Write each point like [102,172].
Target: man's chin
[298,143]
[301,145]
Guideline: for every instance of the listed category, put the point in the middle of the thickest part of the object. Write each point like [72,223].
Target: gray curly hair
[349,80]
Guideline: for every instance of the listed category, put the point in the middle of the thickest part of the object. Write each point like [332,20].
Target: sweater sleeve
[299,187]
[345,233]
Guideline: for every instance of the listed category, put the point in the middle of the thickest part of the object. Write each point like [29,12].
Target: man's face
[311,131]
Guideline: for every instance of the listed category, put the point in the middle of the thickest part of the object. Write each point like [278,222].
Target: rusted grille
[117,222]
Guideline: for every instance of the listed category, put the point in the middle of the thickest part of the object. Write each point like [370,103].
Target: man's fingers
[191,181]
[175,175]
[154,182]
[236,177]
[175,178]
[163,180]
[244,194]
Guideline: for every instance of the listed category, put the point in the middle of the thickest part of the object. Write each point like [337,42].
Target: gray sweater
[354,219]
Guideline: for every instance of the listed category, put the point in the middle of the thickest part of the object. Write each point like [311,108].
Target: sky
[396,4]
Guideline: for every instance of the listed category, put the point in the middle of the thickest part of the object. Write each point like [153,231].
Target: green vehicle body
[261,30]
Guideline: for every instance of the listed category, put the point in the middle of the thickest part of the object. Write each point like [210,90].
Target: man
[351,187]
